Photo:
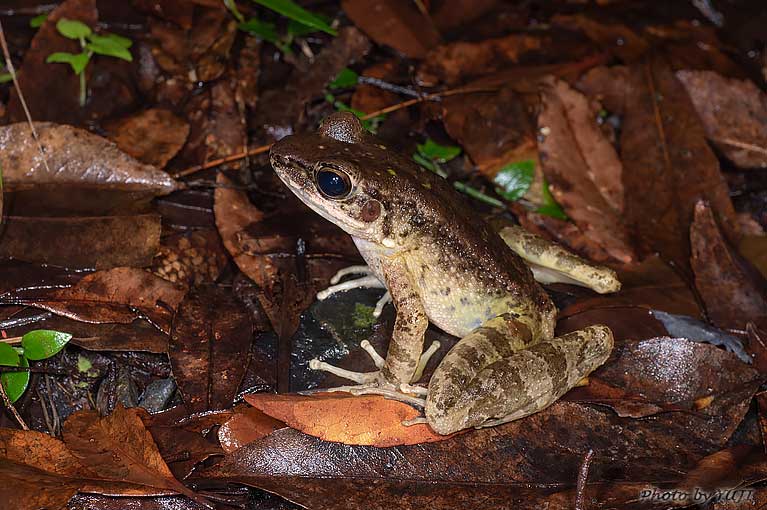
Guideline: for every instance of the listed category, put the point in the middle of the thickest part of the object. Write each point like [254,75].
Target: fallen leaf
[210,332]
[614,37]
[246,425]
[668,166]
[192,258]
[361,420]
[733,113]
[394,23]
[122,449]
[152,136]
[120,295]
[75,158]
[734,293]
[582,168]
[608,85]
[101,242]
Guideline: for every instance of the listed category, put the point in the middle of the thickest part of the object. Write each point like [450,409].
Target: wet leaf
[734,293]
[394,23]
[362,420]
[514,180]
[582,168]
[117,295]
[111,241]
[666,157]
[75,158]
[122,449]
[14,382]
[43,343]
[210,332]
[733,113]
[151,136]
[246,425]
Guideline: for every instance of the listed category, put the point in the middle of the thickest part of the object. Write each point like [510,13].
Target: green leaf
[298,29]
[436,152]
[38,20]
[550,207]
[514,179]
[8,355]
[15,383]
[78,62]
[232,6]
[109,46]
[293,11]
[116,39]
[262,29]
[478,195]
[73,29]
[345,79]
[6,77]
[43,343]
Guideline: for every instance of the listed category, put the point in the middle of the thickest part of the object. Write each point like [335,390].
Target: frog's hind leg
[551,263]
[487,379]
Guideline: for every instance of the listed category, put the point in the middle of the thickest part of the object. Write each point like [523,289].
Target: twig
[12,409]
[221,161]
[583,476]
[12,340]
[12,70]
[743,145]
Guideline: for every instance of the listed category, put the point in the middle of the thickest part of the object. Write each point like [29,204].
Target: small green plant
[301,23]
[38,20]
[347,79]
[109,45]
[35,345]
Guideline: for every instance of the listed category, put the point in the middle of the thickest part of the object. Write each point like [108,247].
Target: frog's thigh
[551,263]
[514,385]
[406,344]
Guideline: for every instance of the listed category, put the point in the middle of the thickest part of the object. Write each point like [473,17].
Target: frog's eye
[333,183]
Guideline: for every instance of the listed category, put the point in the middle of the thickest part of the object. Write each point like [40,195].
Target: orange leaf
[363,420]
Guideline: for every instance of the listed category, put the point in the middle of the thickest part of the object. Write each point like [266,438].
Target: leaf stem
[83,89]
[12,409]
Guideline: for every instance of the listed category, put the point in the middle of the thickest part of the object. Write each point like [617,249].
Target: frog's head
[340,172]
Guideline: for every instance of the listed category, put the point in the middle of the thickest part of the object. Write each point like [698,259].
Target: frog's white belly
[452,302]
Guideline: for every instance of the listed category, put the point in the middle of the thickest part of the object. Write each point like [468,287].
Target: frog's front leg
[485,380]
[404,361]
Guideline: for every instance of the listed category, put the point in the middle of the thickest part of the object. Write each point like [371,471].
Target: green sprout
[35,345]
[38,20]
[110,45]
[301,23]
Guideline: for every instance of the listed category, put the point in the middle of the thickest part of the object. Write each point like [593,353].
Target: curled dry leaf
[119,295]
[121,448]
[734,114]
[151,136]
[362,420]
[210,332]
[75,158]
[394,23]
[734,292]
[668,166]
[100,242]
[246,425]
[582,168]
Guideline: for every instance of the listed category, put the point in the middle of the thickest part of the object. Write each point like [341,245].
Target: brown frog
[441,263]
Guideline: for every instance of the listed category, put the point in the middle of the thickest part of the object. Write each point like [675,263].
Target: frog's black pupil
[332,184]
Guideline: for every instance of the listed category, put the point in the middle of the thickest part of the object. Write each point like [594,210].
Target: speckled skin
[442,264]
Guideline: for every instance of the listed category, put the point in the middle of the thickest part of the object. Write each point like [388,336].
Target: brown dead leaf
[456,62]
[121,449]
[246,425]
[111,241]
[395,23]
[733,292]
[192,258]
[469,117]
[668,166]
[733,113]
[361,420]
[616,38]
[210,332]
[151,136]
[608,85]
[116,295]
[582,168]
[75,158]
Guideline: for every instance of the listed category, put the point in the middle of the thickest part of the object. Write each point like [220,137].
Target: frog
[442,264]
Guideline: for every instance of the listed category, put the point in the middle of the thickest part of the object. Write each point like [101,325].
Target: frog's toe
[358,377]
